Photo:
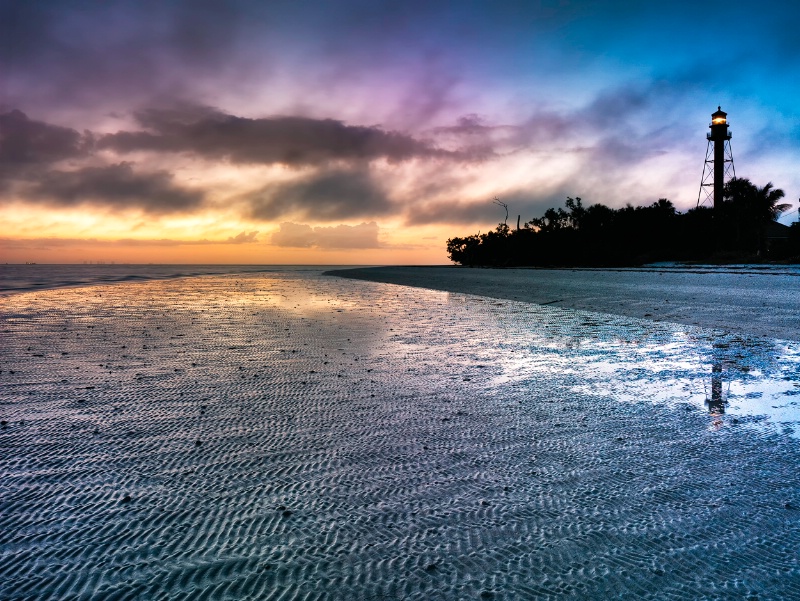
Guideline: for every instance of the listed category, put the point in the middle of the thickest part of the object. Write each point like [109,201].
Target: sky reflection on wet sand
[745,378]
[291,435]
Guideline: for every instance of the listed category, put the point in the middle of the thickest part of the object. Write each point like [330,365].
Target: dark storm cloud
[277,140]
[323,196]
[296,235]
[25,141]
[29,150]
[116,187]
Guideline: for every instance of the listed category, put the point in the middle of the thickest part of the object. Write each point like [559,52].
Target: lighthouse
[718,167]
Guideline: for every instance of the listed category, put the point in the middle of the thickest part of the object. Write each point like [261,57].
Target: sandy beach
[292,435]
[762,302]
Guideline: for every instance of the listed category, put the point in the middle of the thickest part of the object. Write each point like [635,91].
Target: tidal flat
[294,435]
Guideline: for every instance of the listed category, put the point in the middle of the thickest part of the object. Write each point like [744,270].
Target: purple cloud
[117,187]
[25,141]
[295,141]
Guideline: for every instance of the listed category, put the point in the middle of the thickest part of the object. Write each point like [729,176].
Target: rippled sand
[757,300]
[295,436]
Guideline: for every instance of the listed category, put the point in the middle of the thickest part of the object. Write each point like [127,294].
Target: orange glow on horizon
[422,245]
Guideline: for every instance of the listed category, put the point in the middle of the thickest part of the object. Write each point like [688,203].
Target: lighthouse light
[718,120]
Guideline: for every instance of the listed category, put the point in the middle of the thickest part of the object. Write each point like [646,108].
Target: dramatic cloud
[416,113]
[117,187]
[24,141]
[295,235]
[30,148]
[285,140]
[323,196]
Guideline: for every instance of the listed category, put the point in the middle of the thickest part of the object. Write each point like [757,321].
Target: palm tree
[766,200]
[760,204]
[748,209]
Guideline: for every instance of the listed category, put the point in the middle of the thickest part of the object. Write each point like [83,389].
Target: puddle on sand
[510,346]
[738,379]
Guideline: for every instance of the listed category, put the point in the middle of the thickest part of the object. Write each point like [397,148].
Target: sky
[369,132]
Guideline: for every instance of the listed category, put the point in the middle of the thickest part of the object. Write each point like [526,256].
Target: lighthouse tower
[718,167]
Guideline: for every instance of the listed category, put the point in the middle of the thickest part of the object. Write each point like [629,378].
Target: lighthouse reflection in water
[737,379]
[715,401]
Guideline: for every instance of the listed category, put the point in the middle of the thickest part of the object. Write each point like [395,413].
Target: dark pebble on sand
[197,443]
[431,567]
[288,513]
[126,499]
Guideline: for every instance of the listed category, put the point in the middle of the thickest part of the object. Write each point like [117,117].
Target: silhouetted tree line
[743,229]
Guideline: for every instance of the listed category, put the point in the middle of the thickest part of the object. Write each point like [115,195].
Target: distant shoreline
[748,299]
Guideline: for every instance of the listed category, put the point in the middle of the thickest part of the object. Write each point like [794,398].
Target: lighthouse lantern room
[718,167]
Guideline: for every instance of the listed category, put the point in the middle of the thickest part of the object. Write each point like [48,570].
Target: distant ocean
[27,278]
[30,277]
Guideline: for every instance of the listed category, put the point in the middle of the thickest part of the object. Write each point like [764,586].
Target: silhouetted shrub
[744,228]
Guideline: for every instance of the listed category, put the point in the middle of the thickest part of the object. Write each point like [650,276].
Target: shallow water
[292,436]
[16,278]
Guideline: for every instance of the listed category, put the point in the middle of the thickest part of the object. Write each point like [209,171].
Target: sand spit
[293,436]
[754,301]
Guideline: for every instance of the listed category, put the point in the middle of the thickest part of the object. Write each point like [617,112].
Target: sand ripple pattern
[295,436]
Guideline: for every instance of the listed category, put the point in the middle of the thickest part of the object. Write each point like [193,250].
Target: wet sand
[753,301]
[295,436]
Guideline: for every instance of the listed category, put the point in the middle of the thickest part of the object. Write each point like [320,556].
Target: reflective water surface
[16,278]
[743,378]
[288,435]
